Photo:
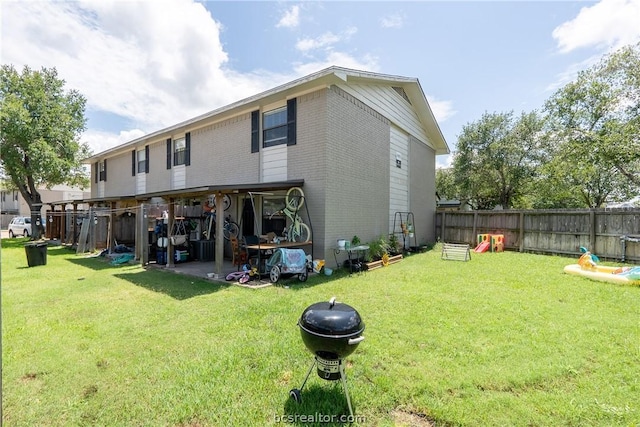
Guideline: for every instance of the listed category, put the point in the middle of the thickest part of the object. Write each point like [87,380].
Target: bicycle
[229,229]
[297,231]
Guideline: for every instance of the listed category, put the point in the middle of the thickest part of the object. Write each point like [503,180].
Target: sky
[149,64]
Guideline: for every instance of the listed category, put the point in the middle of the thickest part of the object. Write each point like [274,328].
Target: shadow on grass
[322,404]
[318,279]
[176,286]
[92,262]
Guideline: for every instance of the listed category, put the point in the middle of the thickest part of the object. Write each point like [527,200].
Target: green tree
[445,184]
[41,126]
[496,157]
[594,122]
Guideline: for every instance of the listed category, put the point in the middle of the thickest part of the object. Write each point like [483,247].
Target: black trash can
[36,253]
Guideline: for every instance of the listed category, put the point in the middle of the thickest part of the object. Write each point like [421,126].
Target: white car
[20,226]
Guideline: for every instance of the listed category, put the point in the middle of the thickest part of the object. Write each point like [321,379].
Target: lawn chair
[239,255]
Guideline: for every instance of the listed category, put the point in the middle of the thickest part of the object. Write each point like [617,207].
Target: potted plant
[394,245]
[378,248]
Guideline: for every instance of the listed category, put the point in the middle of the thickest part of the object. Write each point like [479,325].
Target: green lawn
[505,339]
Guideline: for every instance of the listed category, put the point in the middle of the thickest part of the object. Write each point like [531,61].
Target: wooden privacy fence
[608,233]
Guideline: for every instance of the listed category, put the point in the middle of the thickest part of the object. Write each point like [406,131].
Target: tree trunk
[37,227]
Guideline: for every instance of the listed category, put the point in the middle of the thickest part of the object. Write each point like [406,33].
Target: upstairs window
[102,170]
[180,150]
[278,126]
[143,162]
[275,127]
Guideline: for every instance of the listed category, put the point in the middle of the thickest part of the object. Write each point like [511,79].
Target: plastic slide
[482,247]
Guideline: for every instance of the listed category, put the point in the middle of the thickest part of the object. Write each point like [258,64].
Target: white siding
[178,178]
[398,176]
[274,163]
[141,183]
[390,104]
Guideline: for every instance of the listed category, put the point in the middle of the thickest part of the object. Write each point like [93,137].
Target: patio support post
[111,229]
[93,226]
[219,242]
[74,238]
[63,225]
[172,219]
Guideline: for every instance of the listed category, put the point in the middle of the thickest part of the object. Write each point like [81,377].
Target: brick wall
[357,172]
[221,154]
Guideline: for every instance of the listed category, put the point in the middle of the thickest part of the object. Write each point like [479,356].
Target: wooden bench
[456,252]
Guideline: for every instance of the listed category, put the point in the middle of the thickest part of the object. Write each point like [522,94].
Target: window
[272,219]
[180,150]
[275,127]
[278,126]
[102,170]
[142,161]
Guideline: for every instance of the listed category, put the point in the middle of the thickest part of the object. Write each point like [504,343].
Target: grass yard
[505,339]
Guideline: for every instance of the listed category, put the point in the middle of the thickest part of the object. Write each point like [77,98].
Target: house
[361,145]
[13,204]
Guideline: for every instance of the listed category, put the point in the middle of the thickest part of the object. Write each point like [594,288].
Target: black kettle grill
[331,331]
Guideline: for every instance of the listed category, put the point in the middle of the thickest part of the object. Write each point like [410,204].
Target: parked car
[20,226]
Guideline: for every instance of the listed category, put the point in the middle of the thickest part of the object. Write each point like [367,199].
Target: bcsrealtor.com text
[318,418]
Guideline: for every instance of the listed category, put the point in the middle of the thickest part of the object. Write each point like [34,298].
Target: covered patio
[219,266]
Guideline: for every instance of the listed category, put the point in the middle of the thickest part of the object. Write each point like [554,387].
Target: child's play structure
[587,266]
[490,242]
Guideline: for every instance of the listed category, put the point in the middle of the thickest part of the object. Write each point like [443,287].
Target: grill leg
[343,378]
[313,365]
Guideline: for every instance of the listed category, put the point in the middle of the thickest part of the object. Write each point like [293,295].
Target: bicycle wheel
[230,229]
[303,235]
[295,198]
[226,201]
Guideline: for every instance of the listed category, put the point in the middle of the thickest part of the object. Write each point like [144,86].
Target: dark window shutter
[105,169]
[133,163]
[95,179]
[146,156]
[169,153]
[255,131]
[291,121]
[187,145]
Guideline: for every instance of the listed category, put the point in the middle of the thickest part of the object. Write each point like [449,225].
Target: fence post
[592,230]
[475,227]
[521,232]
[442,227]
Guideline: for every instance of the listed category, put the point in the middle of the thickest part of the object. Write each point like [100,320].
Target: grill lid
[331,319]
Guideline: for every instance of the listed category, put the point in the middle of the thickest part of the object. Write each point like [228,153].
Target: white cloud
[442,110]
[326,40]
[148,65]
[340,59]
[152,63]
[101,141]
[609,24]
[395,20]
[291,18]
